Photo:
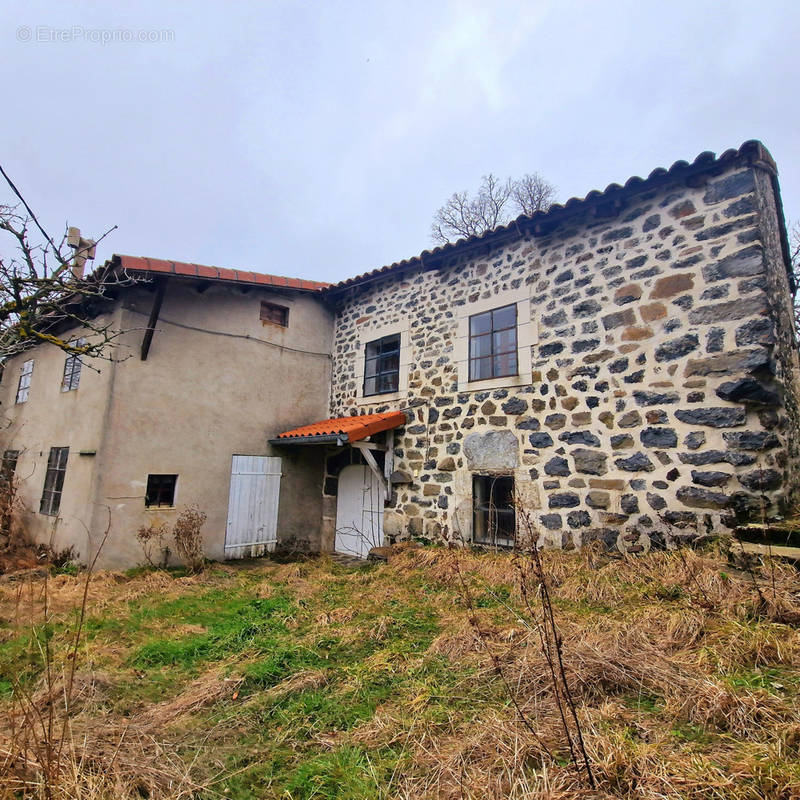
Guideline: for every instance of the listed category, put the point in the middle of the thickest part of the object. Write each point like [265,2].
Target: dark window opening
[494,520]
[24,385]
[493,343]
[160,491]
[54,481]
[9,465]
[275,314]
[382,366]
[72,369]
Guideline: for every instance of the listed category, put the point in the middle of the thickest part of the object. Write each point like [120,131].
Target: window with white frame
[72,368]
[383,362]
[493,342]
[54,481]
[382,365]
[24,385]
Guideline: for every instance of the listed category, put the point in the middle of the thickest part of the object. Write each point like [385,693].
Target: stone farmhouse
[622,367]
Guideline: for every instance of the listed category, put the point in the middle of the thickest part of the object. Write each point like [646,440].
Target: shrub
[188,539]
[152,539]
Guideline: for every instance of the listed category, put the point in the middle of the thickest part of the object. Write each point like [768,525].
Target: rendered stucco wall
[52,418]
[659,405]
[217,382]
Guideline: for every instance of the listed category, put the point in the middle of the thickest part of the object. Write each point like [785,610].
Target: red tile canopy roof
[348,429]
[184,270]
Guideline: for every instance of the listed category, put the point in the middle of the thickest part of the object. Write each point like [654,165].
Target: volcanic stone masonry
[662,400]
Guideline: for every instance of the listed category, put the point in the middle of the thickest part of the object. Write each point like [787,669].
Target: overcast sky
[317,139]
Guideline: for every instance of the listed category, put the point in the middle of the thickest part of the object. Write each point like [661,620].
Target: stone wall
[663,374]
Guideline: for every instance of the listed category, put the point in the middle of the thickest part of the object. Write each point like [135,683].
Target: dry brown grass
[622,641]
[684,676]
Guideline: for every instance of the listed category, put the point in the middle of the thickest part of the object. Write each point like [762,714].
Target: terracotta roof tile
[142,264]
[351,429]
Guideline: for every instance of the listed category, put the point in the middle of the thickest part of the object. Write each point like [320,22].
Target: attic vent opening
[273,314]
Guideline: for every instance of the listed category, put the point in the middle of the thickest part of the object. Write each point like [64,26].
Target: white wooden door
[359,511]
[252,526]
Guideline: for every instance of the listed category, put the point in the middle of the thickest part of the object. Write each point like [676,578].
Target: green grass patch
[345,774]
[688,732]
[644,702]
[234,625]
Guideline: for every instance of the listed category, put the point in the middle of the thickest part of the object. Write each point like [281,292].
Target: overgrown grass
[310,680]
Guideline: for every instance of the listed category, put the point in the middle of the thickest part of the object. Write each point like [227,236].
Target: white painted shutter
[252,526]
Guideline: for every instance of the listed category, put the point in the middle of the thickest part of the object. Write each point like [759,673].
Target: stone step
[347,560]
[770,550]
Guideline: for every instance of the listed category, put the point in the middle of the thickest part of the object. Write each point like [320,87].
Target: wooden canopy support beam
[158,299]
[372,463]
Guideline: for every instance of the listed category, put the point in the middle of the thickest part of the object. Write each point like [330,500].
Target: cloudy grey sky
[317,139]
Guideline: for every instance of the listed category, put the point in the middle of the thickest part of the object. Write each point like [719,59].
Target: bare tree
[794,254]
[496,203]
[44,295]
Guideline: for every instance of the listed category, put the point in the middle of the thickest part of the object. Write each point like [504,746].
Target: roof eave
[751,152]
[339,439]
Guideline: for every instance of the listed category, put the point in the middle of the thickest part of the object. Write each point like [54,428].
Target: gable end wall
[663,379]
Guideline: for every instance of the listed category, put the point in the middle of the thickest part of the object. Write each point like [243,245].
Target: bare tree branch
[496,203]
[794,255]
[533,193]
[44,296]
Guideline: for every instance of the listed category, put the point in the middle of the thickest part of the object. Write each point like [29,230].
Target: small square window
[8,466]
[160,491]
[274,314]
[494,519]
[24,385]
[72,368]
[493,344]
[382,366]
[54,481]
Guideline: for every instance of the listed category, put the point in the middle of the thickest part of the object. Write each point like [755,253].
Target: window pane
[480,323]
[390,363]
[370,386]
[480,368]
[503,492]
[480,346]
[387,383]
[505,341]
[23,387]
[505,364]
[505,317]
[389,344]
[371,367]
